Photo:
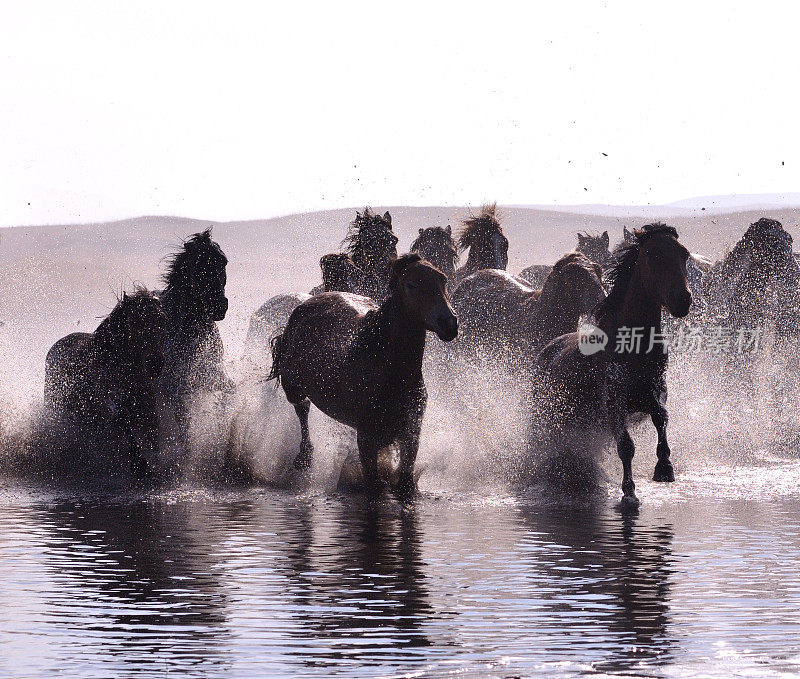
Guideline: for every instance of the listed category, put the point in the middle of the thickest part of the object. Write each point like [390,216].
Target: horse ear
[581,238]
[387,217]
[449,230]
[421,231]
[606,240]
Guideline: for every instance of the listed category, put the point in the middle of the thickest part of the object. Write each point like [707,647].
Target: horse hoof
[664,472]
[376,487]
[406,487]
[629,502]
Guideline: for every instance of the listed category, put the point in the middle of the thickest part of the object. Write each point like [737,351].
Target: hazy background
[251,110]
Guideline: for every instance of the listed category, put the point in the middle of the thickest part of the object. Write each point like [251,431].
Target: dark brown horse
[361,363]
[483,237]
[501,313]
[106,379]
[437,246]
[339,274]
[586,385]
[193,300]
[372,245]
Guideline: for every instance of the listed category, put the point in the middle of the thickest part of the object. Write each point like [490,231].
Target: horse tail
[276,347]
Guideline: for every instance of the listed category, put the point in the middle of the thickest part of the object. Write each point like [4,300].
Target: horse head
[370,241]
[437,245]
[196,278]
[339,274]
[662,267]
[596,248]
[421,290]
[483,236]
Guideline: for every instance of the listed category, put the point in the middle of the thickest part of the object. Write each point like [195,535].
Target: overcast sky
[237,110]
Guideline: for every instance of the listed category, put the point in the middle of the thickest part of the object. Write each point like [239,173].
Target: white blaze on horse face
[591,339]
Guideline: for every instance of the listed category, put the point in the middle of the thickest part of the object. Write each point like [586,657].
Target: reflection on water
[258,583]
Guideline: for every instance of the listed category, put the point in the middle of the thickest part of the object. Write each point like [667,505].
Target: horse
[372,245]
[105,381]
[361,363]
[594,248]
[437,246]
[483,236]
[194,300]
[339,274]
[501,312]
[697,267]
[586,384]
[757,282]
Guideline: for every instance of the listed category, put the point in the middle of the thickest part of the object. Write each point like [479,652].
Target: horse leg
[368,454]
[663,471]
[625,450]
[409,445]
[303,459]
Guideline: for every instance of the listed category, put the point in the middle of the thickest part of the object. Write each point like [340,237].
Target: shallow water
[703,579]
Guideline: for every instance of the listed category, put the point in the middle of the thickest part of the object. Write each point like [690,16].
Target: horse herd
[355,346]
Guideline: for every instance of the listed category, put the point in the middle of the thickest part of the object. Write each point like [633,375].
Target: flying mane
[179,264]
[621,271]
[487,220]
[364,223]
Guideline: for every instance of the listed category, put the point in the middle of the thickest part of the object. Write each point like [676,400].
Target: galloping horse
[483,236]
[501,312]
[361,363]
[339,274]
[372,245]
[437,246]
[587,387]
[757,282]
[595,248]
[193,299]
[105,380]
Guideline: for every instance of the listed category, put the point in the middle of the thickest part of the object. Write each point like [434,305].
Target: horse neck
[396,332]
[480,257]
[639,311]
[184,313]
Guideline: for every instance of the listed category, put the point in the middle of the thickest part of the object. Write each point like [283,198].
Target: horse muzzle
[220,309]
[680,307]
[446,327]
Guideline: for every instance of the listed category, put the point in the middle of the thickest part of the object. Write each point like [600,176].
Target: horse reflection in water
[365,556]
[147,573]
[606,575]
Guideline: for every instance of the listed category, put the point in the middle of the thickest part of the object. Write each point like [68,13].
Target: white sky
[236,110]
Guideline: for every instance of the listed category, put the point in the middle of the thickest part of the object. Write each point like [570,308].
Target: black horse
[193,300]
[104,382]
[372,246]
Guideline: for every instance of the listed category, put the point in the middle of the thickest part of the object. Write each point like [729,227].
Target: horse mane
[111,329]
[178,264]
[430,234]
[488,220]
[621,271]
[364,221]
